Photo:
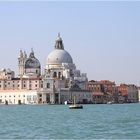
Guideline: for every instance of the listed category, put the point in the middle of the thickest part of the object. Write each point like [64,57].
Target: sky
[102,37]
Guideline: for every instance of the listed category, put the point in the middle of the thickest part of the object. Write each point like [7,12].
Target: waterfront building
[139,94]
[132,93]
[103,91]
[128,93]
[122,93]
[60,82]
[21,89]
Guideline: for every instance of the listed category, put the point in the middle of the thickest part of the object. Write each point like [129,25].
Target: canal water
[116,121]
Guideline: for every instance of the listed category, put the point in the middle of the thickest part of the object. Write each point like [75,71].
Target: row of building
[60,82]
[105,91]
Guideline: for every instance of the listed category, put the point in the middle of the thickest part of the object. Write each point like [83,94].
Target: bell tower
[21,63]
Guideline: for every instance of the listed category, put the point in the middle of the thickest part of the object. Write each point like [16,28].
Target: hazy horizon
[102,37]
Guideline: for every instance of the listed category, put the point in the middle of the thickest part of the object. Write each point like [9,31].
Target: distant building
[60,82]
[103,91]
[122,93]
[132,93]
[22,89]
[128,93]
[139,94]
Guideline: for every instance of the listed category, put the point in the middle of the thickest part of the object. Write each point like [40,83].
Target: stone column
[43,97]
[52,98]
[59,96]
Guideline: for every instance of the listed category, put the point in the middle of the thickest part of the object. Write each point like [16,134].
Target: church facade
[60,82]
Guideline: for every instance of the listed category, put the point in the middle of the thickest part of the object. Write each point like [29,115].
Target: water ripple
[58,122]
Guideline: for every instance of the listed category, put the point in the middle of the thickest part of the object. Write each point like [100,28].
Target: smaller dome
[32,62]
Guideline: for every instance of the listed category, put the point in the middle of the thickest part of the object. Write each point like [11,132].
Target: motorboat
[75,106]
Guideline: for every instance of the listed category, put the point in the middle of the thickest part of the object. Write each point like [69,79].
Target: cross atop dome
[59,43]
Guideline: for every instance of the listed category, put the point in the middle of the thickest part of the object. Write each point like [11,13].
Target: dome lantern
[59,43]
[32,54]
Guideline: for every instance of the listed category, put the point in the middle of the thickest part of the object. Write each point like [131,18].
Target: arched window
[36,71]
[54,74]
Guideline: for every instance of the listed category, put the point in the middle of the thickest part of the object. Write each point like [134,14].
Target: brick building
[127,93]
[103,91]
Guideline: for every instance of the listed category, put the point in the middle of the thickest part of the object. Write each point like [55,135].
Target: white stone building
[22,89]
[132,93]
[60,82]
[18,97]
[139,94]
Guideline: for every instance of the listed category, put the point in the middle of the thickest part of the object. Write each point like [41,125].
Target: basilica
[60,81]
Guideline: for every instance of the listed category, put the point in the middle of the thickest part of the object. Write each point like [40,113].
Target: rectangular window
[29,98]
[34,98]
[48,85]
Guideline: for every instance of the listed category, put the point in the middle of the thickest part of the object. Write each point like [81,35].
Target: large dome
[58,56]
[32,62]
